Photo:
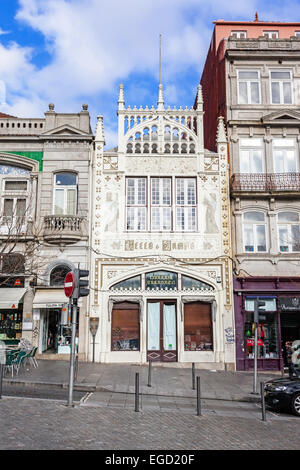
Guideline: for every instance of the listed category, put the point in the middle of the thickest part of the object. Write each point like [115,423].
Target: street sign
[69,284]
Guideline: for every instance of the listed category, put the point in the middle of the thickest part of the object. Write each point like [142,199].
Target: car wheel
[296,404]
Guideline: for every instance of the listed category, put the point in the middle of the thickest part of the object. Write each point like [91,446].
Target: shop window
[58,274]
[190,283]
[248,87]
[288,232]
[198,331]
[65,193]
[267,332]
[125,333]
[251,155]
[132,283]
[254,232]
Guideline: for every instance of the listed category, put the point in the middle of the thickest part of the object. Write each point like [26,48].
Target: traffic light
[257,304]
[81,284]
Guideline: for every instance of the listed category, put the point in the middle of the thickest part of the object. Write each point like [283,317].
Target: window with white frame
[239,34]
[14,191]
[271,34]
[136,204]
[285,155]
[251,155]
[281,86]
[186,204]
[65,193]
[161,202]
[254,232]
[288,231]
[248,86]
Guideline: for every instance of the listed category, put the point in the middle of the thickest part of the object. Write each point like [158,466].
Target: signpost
[74,288]
[257,303]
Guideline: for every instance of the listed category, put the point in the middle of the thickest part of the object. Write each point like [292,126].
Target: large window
[161,202]
[136,202]
[248,87]
[281,86]
[198,331]
[65,193]
[285,156]
[239,34]
[271,34]
[125,333]
[288,232]
[254,231]
[14,190]
[251,156]
[186,204]
[165,215]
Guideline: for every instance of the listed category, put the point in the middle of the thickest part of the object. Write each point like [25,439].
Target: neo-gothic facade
[161,266]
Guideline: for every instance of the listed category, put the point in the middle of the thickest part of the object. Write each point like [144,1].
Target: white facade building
[161,266]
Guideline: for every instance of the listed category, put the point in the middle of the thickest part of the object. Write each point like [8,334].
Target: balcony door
[162,331]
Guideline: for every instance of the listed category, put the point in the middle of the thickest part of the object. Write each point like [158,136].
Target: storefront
[163,316]
[11,313]
[279,321]
[51,311]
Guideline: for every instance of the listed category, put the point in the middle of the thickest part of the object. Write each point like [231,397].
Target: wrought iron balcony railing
[265,182]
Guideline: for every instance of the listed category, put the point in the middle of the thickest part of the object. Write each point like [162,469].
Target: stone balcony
[283,184]
[63,229]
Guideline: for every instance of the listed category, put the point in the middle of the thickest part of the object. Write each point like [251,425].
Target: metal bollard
[193,376]
[137,379]
[263,402]
[149,373]
[198,397]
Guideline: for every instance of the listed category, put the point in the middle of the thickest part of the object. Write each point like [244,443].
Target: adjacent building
[252,78]
[160,267]
[44,229]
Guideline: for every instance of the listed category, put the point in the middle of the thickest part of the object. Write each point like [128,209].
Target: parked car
[284,393]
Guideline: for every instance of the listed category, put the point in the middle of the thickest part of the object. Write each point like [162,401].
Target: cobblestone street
[39,424]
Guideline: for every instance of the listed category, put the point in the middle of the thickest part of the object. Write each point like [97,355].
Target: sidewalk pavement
[165,380]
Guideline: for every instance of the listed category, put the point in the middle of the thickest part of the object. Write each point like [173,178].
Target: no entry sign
[69,284]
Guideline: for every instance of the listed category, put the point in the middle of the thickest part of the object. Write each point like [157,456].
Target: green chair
[19,360]
[10,360]
[31,356]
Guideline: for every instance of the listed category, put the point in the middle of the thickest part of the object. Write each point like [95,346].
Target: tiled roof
[6,116]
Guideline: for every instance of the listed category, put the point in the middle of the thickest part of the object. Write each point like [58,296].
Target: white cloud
[96,44]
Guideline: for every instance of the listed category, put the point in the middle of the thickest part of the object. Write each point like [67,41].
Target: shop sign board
[289,304]
[69,284]
[161,280]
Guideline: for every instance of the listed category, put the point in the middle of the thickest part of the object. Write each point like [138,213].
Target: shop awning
[11,297]
[50,298]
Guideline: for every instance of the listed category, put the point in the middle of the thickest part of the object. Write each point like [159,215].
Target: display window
[10,324]
[125,334]
[198,331]
[267,331]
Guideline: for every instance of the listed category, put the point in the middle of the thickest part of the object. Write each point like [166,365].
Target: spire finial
[160,102]
[221,131]
[256,16]
[121,100]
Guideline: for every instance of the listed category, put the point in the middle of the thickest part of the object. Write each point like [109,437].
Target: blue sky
[71,52]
